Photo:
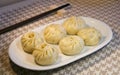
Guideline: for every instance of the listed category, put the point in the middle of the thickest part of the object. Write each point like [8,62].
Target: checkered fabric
[106,61]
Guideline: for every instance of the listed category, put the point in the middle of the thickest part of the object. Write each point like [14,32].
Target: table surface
[106,61]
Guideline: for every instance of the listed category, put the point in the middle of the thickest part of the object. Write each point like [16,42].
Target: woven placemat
[103,62]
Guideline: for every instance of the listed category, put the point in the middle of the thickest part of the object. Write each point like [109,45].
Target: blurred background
[8,2]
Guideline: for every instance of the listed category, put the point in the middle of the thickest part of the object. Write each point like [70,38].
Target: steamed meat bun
[73,24]
[45,54]
[90,35]
[30,41]
[71,45]
[54,33]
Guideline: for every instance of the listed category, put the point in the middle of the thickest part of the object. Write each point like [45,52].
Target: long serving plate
[25,60]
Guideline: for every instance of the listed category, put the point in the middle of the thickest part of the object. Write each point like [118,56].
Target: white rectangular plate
[25,60]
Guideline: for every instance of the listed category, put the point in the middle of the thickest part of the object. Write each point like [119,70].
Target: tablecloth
[106,61]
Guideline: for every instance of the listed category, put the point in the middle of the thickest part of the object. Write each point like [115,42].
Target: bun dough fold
[73,24]
[30,41]
[54,33]
[45,54]
[71,45]
[90,35]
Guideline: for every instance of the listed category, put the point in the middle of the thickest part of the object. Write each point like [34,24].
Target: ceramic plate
[25,60]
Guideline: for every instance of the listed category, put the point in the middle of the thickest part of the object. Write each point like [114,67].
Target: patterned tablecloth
[103,62]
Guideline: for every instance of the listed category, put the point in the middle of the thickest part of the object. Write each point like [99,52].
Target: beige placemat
[106,61]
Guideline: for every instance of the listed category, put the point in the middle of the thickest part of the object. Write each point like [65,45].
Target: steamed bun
[54,33]
[90,35]
[71,45]
[30,41]
[45,54]
[73,24]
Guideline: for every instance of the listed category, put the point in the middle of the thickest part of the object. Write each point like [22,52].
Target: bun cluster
[71,37]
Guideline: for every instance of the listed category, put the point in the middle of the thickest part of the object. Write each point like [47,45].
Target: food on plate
[90,35]
[52,44]
[73,24]
[71,45]
[45,54]
[30,41]
[54,33]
